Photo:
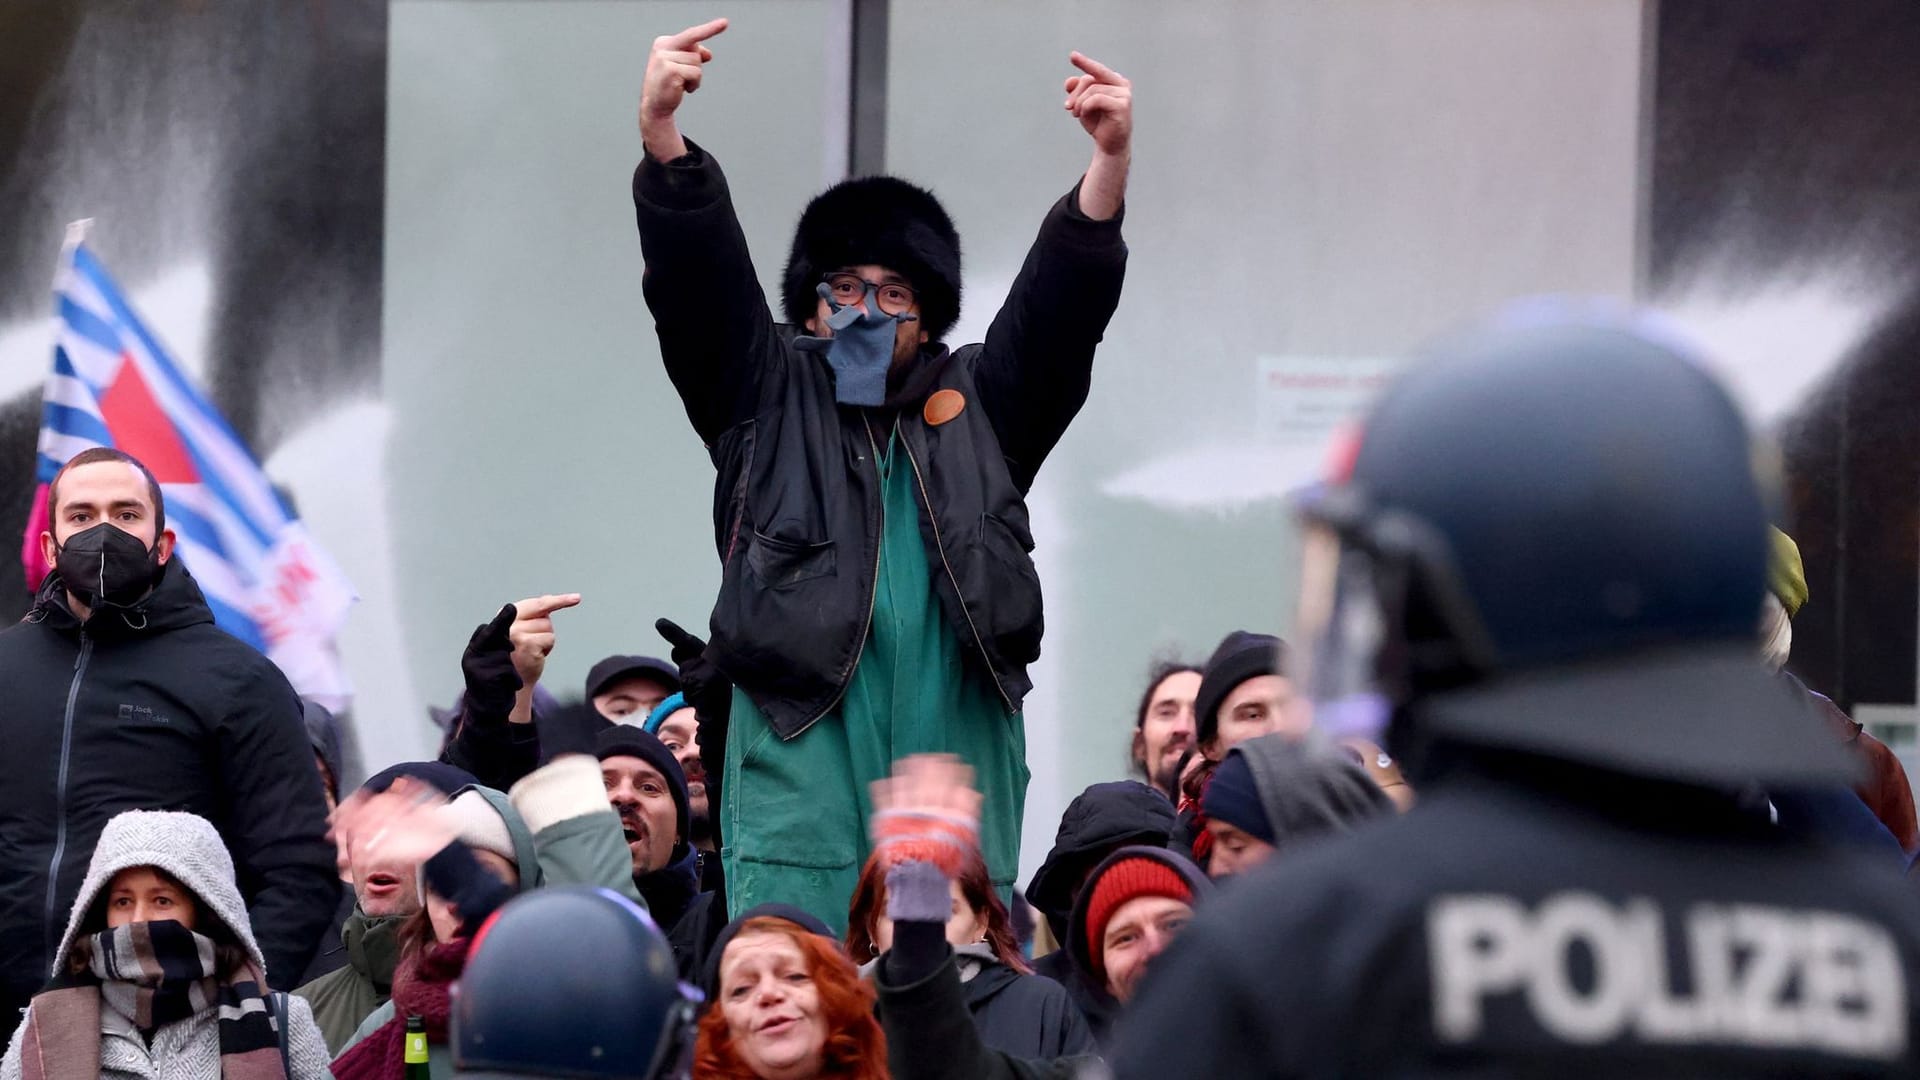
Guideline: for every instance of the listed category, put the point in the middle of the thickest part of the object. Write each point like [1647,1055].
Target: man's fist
[674,67]
[1102,100]
[532,633]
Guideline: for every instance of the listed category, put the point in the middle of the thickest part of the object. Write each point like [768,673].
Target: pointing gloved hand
[487,664]
[711,696]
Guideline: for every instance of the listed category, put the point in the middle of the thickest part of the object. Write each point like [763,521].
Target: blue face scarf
[860,350]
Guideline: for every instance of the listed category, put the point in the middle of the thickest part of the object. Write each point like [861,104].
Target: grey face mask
[860,350]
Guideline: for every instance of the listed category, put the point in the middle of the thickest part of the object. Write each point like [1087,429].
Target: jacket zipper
[60,791]
[873,590]
[941,546]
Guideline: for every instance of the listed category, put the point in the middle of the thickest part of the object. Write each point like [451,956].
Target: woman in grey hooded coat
[159,976]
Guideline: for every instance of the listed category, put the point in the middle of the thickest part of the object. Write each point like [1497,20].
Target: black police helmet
[1564,514]
[571,981]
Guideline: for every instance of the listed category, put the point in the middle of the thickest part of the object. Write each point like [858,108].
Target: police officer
[572,981]
[1539,570]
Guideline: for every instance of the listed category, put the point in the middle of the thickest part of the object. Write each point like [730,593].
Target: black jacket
[331,955]
[797,500]
[500,753]
[670,891]
[1543,920]
[1097,1007]
[693,934]
[153,710]
[932,1036]
[1027,1016]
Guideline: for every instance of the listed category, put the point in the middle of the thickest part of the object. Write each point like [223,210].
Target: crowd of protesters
[1529,789]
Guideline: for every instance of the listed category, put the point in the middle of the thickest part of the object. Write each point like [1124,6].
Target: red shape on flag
[141,428]
[32,559]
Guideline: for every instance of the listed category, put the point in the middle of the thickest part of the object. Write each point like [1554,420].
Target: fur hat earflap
[882,221]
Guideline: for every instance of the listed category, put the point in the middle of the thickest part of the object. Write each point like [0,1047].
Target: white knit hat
[480,826]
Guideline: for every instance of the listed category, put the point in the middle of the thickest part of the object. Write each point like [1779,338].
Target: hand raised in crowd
[488,667]
[710,693]
[674,69]
[506,657]
[1102,100]
[927,811]
[403,824]
[532,632]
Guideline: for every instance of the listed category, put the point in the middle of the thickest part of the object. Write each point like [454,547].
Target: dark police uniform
[1541,574]
[1607,928]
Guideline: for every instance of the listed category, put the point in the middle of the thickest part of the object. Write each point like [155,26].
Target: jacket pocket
[779,563]
[1014,617]
[795,802]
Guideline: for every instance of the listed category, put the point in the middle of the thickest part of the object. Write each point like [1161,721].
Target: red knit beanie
[1128,879]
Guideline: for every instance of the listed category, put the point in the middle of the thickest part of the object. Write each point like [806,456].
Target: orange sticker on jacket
[943,406]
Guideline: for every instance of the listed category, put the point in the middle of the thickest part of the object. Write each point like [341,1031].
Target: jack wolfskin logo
[140,714]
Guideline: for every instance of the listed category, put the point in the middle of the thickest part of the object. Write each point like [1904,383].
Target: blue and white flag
[113,384]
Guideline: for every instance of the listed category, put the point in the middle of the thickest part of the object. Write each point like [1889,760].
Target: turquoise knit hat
[662,711]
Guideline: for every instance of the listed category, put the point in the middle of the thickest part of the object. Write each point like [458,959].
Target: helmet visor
[1341,632]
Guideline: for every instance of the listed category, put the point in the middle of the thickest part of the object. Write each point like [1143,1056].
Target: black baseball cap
[615,668]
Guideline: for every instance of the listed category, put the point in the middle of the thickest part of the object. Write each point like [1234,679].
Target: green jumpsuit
[794,814]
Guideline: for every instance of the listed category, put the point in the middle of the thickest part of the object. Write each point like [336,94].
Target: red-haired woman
[1015,1011]
[786,1004]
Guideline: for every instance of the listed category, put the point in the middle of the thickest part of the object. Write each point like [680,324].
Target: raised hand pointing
[532,632]
[1102,100]
[674,69]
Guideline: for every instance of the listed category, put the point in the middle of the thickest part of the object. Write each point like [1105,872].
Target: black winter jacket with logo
[797,500]
[153,709]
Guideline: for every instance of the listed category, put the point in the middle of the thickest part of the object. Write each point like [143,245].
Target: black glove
[711,696]
[487,664]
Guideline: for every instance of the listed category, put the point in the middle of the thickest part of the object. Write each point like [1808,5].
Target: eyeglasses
[893,297]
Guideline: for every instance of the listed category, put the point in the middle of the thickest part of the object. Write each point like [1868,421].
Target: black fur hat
[885,221]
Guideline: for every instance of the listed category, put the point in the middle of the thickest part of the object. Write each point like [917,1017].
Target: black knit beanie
[710,975]
[445,778]
[1233,797]
[1242,655]
[626,740]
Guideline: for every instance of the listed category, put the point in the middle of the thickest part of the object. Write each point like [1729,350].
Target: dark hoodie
[1299,790]
[152,708]
[1099,821]
[323,734]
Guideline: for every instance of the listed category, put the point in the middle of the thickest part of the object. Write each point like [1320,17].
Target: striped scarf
[153,974]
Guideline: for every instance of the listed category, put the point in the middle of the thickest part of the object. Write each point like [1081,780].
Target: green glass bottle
[416,1057]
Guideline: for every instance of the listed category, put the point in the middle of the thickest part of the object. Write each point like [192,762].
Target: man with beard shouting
[647,789]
